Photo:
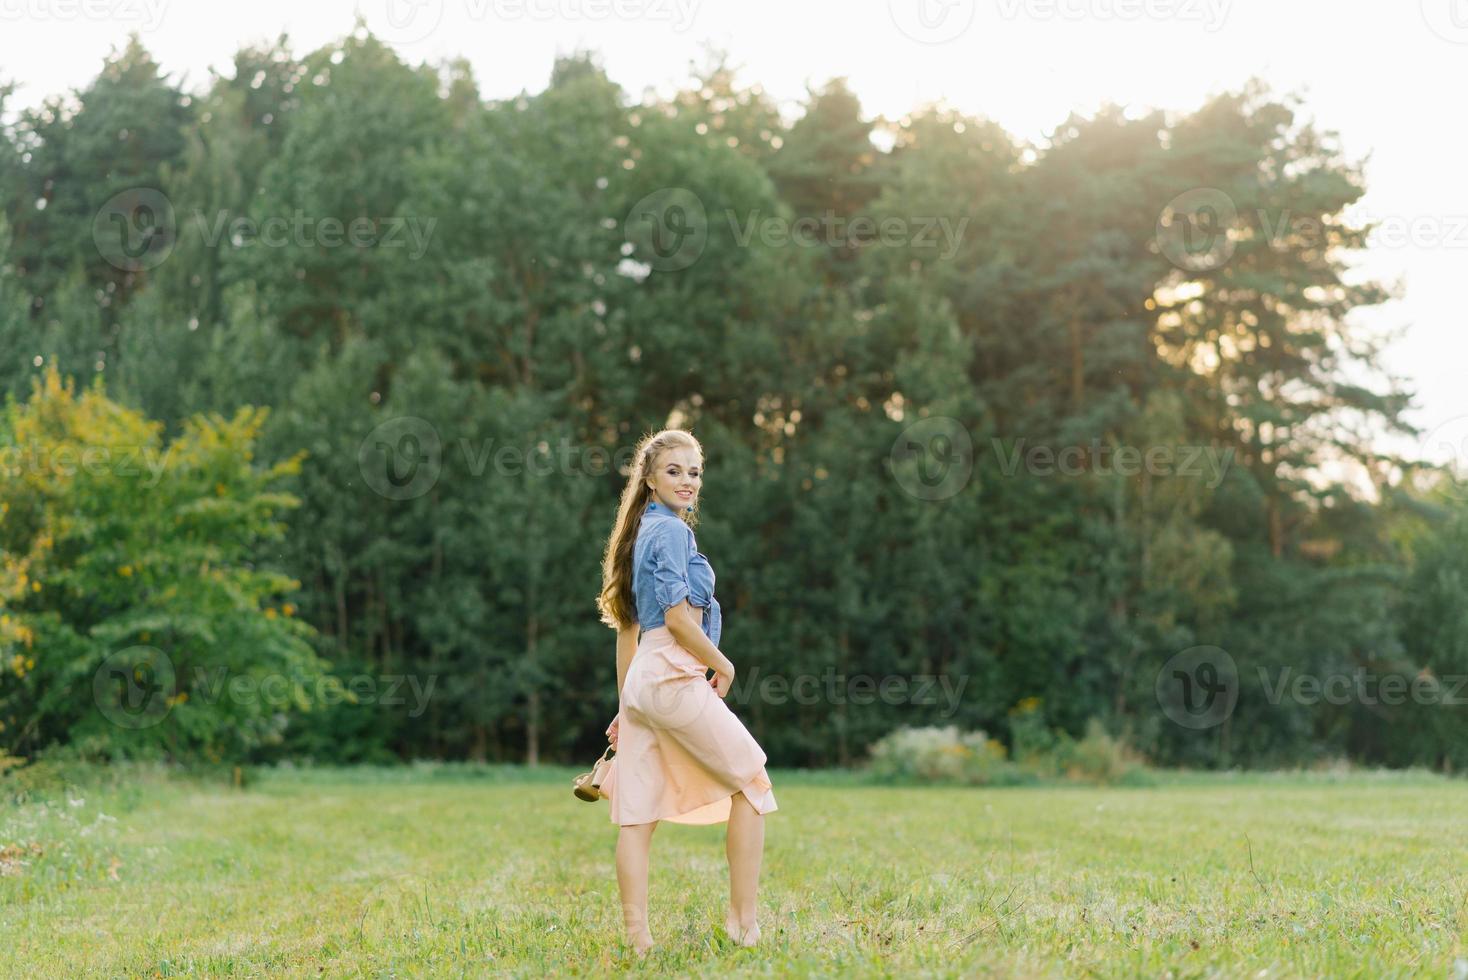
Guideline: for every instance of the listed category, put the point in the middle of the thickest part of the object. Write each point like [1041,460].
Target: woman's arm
[685,626]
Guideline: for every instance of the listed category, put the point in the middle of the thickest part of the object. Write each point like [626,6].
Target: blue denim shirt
[668,568]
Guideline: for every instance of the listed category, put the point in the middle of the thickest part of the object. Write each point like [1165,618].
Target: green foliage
[945,755]
[1429,728]
[511,306]
[1096,757]
[940,755]
[121,133]
[136,615]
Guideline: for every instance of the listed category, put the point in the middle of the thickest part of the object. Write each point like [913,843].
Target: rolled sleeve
[671,553]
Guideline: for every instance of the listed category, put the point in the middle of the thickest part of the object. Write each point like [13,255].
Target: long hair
[616,604]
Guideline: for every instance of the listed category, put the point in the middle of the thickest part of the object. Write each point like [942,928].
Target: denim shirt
[668,568]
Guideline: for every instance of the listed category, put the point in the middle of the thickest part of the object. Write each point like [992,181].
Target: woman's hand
[612,730]
[722,680]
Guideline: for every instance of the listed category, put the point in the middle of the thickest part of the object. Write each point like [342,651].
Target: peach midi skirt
[681,752]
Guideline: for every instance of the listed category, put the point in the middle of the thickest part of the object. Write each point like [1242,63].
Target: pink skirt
[681,753]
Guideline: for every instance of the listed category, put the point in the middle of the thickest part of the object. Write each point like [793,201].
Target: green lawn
[460,871]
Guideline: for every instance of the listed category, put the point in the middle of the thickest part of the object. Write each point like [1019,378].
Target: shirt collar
[653,507]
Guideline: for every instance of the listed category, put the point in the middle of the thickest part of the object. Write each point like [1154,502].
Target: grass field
[460,871]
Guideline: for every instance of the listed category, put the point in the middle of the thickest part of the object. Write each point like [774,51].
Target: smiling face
[676,478]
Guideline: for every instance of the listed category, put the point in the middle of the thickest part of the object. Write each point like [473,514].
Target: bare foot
[742,935]
[640,942]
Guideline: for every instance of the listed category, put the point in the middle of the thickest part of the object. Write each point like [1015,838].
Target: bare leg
[634,847]
[745,847]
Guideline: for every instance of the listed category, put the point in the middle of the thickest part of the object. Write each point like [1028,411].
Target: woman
[681,754]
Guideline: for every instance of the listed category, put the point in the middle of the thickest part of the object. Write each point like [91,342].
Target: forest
[322,378]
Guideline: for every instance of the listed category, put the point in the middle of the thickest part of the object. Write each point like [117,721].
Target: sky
[1389,76]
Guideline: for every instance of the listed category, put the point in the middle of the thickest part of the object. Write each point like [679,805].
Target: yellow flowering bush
[132,569]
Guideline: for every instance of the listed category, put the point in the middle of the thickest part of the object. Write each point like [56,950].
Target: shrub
[1101,758]
[133,584]
[941,755]
[947,755]
[1034,745]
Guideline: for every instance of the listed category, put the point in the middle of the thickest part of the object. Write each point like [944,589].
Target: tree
[827,169]
[96,178]
[140,615]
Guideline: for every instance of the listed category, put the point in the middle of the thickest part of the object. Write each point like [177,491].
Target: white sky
[1389,75]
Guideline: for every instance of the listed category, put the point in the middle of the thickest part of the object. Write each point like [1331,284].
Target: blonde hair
[616,604]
